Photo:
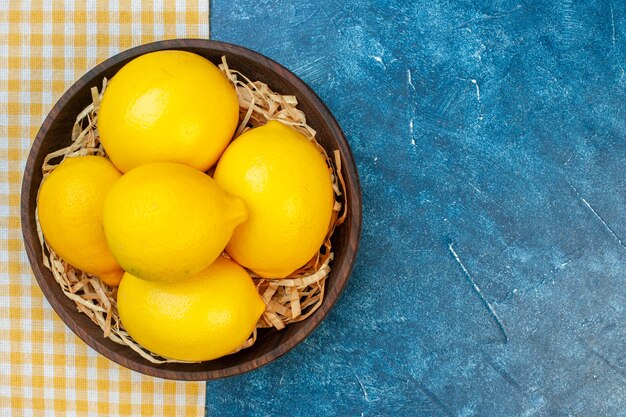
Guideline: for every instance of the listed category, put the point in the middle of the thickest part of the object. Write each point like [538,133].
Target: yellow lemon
[287,187]
[70,214]
[200,318]
[167,106]
[166,221]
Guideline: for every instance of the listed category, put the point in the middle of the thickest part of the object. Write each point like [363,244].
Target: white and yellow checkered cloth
[44,47]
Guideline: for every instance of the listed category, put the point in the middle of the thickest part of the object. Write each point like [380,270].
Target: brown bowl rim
[96,343]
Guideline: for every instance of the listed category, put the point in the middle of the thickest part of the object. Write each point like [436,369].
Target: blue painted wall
[491,142]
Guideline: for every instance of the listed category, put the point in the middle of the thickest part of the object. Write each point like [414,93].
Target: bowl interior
[55,134]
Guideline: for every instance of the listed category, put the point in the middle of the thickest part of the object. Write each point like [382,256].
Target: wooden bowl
[55,134]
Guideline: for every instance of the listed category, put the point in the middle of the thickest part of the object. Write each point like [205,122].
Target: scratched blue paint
[495,130]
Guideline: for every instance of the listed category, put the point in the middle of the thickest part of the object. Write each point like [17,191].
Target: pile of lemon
[150,219]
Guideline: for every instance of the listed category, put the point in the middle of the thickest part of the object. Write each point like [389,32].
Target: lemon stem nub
[239,211]
[112,279]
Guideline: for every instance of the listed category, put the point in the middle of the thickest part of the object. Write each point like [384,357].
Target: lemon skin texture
[167,106]
[287,187]
[69,206]
[200,318]
[166,221]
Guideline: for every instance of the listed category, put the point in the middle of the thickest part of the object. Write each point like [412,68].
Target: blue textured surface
[495,131]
